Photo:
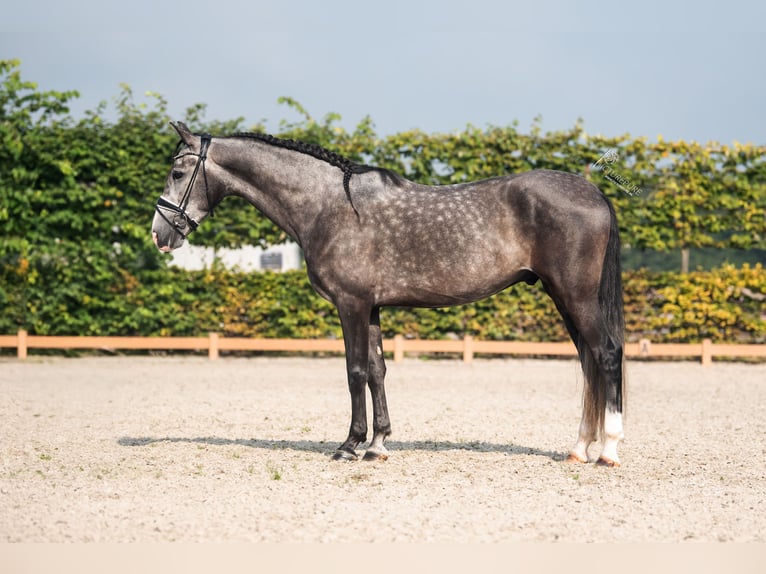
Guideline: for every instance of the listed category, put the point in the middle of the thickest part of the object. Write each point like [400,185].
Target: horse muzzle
[163,248]
[166,237]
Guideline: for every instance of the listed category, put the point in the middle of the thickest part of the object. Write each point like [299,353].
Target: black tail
[600,392]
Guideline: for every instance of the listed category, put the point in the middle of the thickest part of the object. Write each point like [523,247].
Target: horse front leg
[355,321]
[381,424]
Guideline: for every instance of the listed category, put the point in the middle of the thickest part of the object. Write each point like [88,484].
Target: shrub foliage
[77,197]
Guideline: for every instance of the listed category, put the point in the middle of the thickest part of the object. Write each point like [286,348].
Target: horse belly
[449,277]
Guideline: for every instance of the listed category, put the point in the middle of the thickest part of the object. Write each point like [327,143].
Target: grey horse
[372,238]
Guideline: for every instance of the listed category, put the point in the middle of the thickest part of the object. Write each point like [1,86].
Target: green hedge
[77,197]
[727,305]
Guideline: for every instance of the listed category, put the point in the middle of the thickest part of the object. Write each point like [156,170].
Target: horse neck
[287,186]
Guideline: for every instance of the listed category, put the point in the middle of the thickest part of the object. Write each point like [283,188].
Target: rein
[181,220]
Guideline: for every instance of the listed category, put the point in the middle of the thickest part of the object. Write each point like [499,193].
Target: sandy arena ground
[162,449]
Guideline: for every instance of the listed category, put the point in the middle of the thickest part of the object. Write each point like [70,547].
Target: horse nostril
[163,248]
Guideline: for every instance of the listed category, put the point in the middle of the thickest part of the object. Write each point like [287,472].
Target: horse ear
[184,132]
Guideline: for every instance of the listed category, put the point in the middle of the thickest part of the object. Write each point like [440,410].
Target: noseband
[181,220]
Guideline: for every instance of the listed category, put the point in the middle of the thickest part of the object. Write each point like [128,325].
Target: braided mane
[347,166]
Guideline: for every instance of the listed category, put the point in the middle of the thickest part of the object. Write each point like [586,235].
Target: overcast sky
[685,70]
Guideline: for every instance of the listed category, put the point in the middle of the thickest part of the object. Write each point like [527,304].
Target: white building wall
[194,257]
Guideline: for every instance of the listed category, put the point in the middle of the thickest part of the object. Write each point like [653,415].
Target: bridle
[181,219]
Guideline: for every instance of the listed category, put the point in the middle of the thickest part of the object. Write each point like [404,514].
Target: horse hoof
[574,459]
[372,455]
[607,462]
[344,456]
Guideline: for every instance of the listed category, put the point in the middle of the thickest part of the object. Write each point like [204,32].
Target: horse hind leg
[587,433]
[601,360]
[612,365]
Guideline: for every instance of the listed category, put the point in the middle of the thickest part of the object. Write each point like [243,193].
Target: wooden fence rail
[214,343]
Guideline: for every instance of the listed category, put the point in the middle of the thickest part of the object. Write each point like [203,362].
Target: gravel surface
[183,448]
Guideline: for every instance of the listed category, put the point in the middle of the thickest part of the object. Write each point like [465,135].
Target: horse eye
[177,175]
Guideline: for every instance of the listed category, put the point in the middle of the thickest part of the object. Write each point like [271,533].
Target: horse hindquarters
[600,328]
[591,306]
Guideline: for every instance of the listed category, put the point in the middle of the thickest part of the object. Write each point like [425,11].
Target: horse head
[185,202]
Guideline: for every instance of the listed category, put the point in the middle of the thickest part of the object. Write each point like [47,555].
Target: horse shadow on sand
[328,449]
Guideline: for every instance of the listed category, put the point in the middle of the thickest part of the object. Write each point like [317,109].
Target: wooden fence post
[398,348]
[707,352]
[468,349]
[212,350]
[21,345]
